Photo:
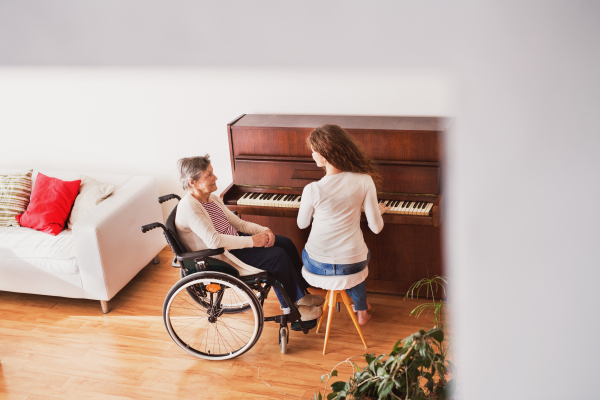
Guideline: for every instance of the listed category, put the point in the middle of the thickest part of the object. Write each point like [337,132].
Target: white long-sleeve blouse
[334,204]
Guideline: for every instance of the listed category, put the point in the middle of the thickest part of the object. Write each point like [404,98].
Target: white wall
[141,121]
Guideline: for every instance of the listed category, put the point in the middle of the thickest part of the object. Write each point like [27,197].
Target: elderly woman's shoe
[311,300]
[309,313]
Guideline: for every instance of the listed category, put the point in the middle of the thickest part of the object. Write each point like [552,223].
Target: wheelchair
[212,312]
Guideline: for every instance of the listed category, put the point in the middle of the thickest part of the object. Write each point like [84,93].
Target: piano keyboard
[405,207]
[270,200]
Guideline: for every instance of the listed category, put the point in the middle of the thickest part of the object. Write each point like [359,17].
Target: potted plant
[432,286]
[417,367]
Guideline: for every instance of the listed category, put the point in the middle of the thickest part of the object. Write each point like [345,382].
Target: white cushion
[91,193]
[54,254]
[335,282]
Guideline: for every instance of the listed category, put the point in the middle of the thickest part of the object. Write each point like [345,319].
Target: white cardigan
[197,232]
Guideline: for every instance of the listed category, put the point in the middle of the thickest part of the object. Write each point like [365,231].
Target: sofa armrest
[109,245]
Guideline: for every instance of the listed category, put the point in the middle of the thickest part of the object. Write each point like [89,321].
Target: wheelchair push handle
[149,227]
[168,197]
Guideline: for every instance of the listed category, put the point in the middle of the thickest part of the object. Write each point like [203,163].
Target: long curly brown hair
[341,150]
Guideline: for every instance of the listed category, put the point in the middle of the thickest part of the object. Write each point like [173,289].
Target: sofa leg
[155,260]
[104,305]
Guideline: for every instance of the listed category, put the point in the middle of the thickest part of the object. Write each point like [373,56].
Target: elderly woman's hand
[271,236]
[260,240]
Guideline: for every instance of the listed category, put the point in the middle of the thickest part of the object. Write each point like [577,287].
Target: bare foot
[363,317]
[368,307]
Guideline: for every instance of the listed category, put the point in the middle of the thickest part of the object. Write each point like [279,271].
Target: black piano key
[396,203]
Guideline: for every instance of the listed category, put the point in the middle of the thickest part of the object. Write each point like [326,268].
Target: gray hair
[192,168]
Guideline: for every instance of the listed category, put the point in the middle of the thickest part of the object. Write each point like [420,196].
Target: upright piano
[271,164]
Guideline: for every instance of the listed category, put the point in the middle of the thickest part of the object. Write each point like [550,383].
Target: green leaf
[331,396]
[380,371]
[323,378]
[334,372]
[372,365]
[395,346]
[338,386]
[386,390]
[369,358]
[437,334]
[320,397]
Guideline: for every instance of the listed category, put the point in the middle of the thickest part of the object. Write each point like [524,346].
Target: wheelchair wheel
[204,329]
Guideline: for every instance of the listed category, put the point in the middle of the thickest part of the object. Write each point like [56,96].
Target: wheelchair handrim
[233,285]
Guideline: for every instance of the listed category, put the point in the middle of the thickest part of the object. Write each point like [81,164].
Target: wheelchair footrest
[295,326]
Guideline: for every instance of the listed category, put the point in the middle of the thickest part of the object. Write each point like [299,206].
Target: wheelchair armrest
[192,255]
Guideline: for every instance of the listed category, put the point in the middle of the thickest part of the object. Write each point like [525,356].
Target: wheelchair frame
[200,290]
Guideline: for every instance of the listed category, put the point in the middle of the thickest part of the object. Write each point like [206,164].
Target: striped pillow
[15,190]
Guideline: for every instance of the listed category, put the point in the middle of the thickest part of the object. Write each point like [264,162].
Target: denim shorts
[320,268]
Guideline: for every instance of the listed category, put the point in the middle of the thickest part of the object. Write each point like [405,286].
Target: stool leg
[354,319]
[324,312]
[331,305]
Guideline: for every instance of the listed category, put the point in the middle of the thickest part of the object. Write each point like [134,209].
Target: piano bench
[336,285]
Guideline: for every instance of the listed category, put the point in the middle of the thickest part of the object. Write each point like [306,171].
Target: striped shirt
[219,219]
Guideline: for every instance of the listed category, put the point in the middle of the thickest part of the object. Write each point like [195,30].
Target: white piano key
[428,208]
[402,207]
[409,208]
[242,199]
[283,201]
[279,200]
[290,201]
[269,201]
[256,200]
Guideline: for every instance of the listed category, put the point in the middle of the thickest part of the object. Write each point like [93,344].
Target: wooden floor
[58,348]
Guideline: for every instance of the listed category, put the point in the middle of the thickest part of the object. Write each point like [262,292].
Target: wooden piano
[271,164]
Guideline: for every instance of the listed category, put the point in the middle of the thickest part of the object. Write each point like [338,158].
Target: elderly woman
[203,222]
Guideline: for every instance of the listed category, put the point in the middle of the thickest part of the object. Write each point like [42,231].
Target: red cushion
[50,204]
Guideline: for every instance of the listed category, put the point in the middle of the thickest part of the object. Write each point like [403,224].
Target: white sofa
[96,259]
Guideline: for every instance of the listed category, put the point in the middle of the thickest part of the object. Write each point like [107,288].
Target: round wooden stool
[336,285]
